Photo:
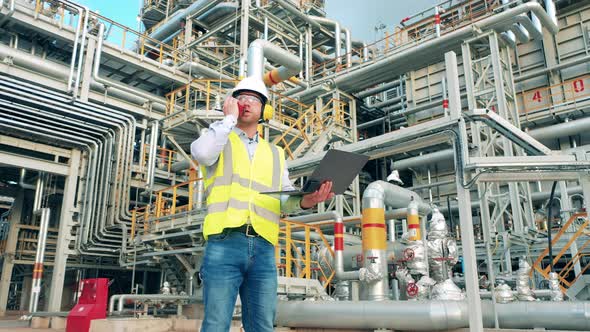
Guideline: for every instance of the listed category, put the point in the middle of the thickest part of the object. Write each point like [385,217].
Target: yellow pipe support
[272,77]
[373,224]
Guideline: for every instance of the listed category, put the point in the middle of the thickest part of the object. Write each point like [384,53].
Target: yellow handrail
[582,230]
[288,245]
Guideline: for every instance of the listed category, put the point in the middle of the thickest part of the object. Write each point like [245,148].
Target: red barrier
[91,305]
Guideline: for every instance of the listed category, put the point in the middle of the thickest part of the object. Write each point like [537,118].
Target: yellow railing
[577,231]
[205,93]
[165,158]
[287,109]
[565,93]
[312,123]
[289,262]
[120,35]
[139,217]
[463,14]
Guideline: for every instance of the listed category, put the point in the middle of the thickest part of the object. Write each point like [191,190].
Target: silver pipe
[430,315]
[564,129]
[292,10]
[259,49]
[377,89]
[174,22]
[152,157]
[10,11]
[381,193]
[145,297]
[337,34]
[348,45]
[81,55]
[339,273]
[22,182]
[195,68]
[110,83]
[39,256]
[562,65]
[420,55]
[551,11]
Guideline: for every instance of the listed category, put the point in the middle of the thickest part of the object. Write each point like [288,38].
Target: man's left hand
[323,193]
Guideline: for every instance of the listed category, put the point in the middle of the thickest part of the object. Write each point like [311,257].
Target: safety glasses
[248,99]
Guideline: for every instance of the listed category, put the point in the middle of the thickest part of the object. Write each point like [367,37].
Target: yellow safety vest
[234,185]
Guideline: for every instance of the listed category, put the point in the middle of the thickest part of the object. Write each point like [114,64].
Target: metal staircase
[577,230]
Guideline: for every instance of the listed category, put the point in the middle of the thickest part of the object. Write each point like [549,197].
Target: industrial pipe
[337,35]
[430,315]
[564,129]
[259,49]
[145,297]
[357,78]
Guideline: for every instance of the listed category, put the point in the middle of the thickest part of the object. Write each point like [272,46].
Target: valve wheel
[408,254]
[412,289]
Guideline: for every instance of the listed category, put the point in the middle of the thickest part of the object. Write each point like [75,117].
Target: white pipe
[110,83]
[259,49]
[422,54]
[430,315]
[381,193]
[337,32]
[10,11]
[81,55]
[543,134]
[292,10]
[348,45]
[551,11]
[195,68]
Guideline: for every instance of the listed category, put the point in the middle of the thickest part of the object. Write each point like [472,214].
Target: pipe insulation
[259,49]
[415,57]
[61,72]
[430,315]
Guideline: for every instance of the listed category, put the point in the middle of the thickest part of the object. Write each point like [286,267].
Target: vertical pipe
[551,11]
[374,248]
[39,257]
[391,230]
[244,36]
[301,54]
[81,55]
[437,21]
[308,44]
[265,28]
[348,43]
[151,167]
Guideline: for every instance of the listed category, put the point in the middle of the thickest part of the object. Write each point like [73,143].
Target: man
[242,225]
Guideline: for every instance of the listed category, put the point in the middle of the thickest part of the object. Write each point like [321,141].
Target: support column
[62,250]
[464,200]
[87,69]
[7,266]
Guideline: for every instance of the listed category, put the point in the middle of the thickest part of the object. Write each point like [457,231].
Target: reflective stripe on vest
[233,186]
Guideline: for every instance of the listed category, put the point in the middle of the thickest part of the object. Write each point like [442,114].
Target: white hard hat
[252,84]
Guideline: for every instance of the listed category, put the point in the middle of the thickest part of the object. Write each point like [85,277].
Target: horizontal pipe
[574,127]
[430,315]
[426,53]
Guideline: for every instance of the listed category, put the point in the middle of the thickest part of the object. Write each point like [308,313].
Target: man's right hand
[230,107]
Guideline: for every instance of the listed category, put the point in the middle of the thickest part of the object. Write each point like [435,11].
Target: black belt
[246,229]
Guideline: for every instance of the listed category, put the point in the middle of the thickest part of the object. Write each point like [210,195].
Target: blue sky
[360,17]
[122,11]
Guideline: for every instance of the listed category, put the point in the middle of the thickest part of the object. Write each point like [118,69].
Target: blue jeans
[235,263]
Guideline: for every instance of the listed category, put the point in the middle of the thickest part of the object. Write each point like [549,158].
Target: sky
[360,16]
